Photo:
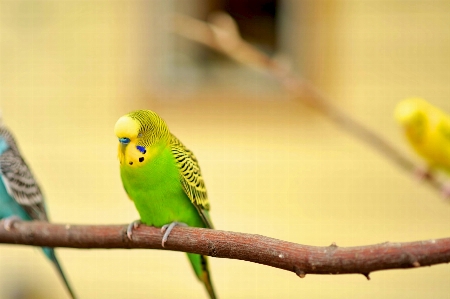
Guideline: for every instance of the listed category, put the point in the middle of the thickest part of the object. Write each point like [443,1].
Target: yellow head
[412,114]
[142,134]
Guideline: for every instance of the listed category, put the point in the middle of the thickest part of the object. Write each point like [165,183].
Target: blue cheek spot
[124,140]
[141,149]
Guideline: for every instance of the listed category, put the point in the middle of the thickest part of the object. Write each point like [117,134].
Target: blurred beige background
[70,69]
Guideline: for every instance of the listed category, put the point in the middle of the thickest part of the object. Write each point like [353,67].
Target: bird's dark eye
[124,140]
[139,135]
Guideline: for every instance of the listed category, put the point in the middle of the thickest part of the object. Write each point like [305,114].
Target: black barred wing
[21,185]
[191,178]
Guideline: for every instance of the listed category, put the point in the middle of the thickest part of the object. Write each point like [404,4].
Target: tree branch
[222,34]
[300,259]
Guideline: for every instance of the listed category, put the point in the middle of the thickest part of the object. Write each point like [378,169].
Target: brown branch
[222,35]
[300,259]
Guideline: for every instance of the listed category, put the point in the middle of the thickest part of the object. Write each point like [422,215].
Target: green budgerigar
[163,179]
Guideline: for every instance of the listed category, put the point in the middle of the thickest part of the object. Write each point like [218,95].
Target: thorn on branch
[300,273]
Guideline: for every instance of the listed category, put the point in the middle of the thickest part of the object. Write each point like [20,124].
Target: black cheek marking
[141,159]
[144,152]
[131,163]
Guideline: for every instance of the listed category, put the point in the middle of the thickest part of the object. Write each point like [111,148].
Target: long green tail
[50,253]
[201,269]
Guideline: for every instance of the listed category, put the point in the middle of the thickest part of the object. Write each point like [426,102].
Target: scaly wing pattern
[21,185]
[191,178]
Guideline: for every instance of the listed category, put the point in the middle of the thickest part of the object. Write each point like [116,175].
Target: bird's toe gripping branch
[9,222]
[167,228]
[132,226]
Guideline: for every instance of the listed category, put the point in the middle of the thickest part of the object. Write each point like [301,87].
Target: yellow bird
[427,129]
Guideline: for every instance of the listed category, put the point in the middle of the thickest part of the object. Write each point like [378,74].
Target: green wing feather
[191,178]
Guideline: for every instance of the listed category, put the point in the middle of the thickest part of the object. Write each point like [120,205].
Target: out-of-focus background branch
[222,34]
[69,69]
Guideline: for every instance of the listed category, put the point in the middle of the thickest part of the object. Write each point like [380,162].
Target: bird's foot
[132,226]
[167,228]
[8,222]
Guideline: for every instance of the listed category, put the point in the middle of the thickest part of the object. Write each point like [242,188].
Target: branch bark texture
[300,259]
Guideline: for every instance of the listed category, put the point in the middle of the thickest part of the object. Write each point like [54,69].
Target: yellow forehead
[126,127]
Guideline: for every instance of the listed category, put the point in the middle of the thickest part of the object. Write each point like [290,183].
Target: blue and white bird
[20,195]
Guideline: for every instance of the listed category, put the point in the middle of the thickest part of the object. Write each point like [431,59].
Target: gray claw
[132,226]
[167,228]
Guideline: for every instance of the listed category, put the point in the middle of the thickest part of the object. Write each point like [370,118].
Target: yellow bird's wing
[443,129]
[191,178]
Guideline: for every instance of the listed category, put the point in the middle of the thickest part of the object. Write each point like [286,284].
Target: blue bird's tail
[50,253]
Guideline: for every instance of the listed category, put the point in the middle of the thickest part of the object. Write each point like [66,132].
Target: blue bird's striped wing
[21,185]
